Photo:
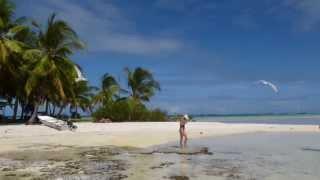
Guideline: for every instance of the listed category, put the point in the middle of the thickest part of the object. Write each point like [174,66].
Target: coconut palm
[6,13]
[9,31]
[14,38]
[83,96]
[52,72]
[141,83]
[110,90]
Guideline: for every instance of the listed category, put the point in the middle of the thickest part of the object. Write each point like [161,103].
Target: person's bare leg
[181,138]
[185,139]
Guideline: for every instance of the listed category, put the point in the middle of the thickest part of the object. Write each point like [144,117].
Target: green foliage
[128,109]
[52,74]
[112,106]
[142,84]
[36,68]
[158,115]
[13,36]
[6,12]
[110,90]
[53,70]
[35,63]
[83,94]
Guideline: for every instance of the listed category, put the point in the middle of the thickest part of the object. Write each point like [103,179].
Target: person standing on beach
[182,130]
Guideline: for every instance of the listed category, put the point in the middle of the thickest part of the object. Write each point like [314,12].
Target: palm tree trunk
[15,109]
[49,111]
[70,109]
[53,110]
[34,114]
[47,107]
[61,110]
[22,112]
[90,110]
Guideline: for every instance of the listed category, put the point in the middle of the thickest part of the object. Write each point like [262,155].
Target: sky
[208,55]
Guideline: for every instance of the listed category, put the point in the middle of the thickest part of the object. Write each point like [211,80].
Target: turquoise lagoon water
[308,119]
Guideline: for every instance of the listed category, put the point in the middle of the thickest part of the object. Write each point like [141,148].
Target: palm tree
[52,72]
[14,38]
[9,31]
[142,84]
[83,96]
[110,90]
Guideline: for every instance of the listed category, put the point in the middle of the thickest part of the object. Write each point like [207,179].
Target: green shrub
[158,115]
[128,110]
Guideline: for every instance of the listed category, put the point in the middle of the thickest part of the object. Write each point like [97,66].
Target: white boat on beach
[53,122]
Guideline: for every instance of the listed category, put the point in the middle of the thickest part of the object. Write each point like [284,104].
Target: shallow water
[267,156]
[306,119]
[271,155]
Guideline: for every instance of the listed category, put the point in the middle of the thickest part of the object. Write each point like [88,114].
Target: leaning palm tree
[52,71]
[141,83]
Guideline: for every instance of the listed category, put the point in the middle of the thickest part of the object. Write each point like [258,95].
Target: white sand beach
[134,134]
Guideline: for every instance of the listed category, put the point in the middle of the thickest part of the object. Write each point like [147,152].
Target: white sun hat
[186,117]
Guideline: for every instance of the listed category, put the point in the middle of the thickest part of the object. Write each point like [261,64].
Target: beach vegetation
[15,37]
[109,92]
[36,66]
[37,72]
[128,109]
[52,73]
[141,83]
[118,104]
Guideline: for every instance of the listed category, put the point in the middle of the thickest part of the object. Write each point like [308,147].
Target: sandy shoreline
[137,134]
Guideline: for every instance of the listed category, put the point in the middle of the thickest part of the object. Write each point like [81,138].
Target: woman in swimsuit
[182,131]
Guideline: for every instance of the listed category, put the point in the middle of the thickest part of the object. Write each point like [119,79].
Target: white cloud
[309,13]
[135,44]
[104,27]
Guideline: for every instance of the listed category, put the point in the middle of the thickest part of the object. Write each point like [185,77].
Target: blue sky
[207,54]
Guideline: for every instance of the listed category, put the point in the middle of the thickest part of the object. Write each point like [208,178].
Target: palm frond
[142,83]
[6,12]
[14,46]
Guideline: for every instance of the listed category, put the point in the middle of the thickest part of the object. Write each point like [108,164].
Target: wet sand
[269,156]
[149,151]
[141,135]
